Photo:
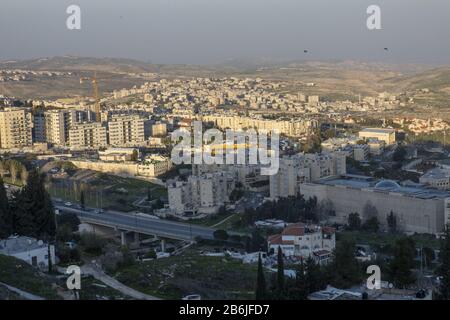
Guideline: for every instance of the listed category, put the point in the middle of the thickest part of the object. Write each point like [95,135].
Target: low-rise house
[32,251]
[301,240]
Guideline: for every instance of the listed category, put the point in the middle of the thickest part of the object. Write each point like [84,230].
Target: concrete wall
[413,214]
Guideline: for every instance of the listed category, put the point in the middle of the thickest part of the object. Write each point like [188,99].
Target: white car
[68,204]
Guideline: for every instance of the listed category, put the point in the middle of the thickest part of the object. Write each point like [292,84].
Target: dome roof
[387,184]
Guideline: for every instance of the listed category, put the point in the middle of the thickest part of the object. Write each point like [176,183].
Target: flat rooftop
[378,130]
[386,186]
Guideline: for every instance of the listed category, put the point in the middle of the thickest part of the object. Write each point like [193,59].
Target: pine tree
[402,263]
[313,276]
[444,269]
[260,292]
[35,213]
[345,268]
[280,272]
[5,213]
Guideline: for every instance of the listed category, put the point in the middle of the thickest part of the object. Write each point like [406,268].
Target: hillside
[18,274]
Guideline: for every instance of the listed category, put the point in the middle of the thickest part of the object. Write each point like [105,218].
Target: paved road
[141,224]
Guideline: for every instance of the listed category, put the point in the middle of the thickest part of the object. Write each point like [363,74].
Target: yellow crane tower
[94,82]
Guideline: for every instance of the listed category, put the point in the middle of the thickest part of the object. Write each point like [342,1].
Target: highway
[141,224]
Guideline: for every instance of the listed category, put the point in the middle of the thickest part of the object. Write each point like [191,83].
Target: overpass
[140,224]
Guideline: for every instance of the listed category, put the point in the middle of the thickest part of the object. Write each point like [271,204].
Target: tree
[35,215]
[313,276]
[354,221]
[371,225]
[444,268]
[392,222]
[220,235]
[399,154]
[5,213]
[280,272]
[402,263]
[345,268]
[260,292]
[82,201]
[135,155]
[299,291]
[149,194]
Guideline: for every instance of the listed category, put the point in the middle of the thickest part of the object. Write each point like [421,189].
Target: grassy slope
[19,274]
[190,273]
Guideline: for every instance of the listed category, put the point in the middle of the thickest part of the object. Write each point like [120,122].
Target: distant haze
[215,31]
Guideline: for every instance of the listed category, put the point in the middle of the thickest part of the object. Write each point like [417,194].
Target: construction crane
[94,82]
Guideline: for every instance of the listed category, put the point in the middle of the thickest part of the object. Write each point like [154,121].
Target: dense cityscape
[298,179]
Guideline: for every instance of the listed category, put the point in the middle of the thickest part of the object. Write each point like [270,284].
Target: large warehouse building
[417,209]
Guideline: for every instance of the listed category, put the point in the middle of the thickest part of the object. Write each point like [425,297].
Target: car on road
[99,211]
[68,204]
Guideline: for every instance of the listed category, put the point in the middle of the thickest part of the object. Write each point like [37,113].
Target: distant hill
[73,63]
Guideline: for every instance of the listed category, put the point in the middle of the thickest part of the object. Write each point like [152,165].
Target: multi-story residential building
[304,241]
[205,193]
[39,134]
[57,124]
[154,166]
[301,168]
[16,125]
[288,127]
[126,130]
[87,135]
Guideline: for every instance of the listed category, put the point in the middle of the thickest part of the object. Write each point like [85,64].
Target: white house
[305,241]
[30,250]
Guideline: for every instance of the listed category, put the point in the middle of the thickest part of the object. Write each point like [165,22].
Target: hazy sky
[213,31]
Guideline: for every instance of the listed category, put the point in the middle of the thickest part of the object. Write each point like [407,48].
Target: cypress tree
[82,201]
[280,272]
[260,292]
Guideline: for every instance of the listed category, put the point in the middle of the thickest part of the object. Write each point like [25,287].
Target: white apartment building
[16,125]
[205,193]
[57,124]
[154,166]
[287,127]
[87,135]
[301,168]
[304,241]
[126,130]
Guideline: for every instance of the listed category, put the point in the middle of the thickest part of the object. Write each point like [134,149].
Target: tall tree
[345,268]
[402,263]
[392,222]
[5,213]
[313,276]
[444,268]
[82,200]
[260,292]
[354,221]
[35,212]
[280,271]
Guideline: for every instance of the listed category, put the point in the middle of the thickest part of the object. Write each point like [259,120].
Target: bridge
[140,224]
